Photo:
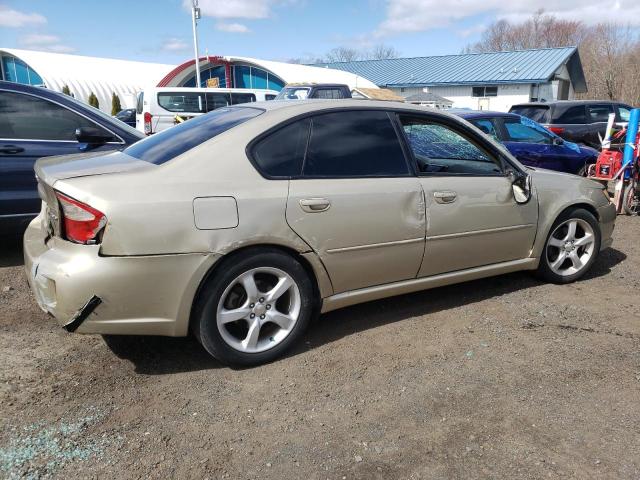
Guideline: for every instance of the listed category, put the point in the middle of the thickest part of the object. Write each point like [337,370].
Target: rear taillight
[147,123]
[556,130]
[82,223]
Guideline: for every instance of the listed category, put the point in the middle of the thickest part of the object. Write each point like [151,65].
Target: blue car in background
[36,122]
[531,143]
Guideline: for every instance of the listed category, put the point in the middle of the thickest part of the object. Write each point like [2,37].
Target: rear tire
[629,201]
[255,307]
[571,247]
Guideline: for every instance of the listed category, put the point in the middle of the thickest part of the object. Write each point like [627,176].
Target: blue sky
[160,31]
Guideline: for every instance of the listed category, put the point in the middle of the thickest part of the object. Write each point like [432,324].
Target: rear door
[186,105]
[473,219]
[357,203]
[32,127]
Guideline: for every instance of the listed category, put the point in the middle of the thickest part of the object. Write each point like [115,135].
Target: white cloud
[467,32]
[419,15]
[48,43]
[232,27]
[175,45]
[15,19]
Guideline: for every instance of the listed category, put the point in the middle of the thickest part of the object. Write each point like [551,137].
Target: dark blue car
[36,122]
[531,143]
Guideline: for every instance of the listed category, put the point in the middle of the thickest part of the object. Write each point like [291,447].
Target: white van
[158,108]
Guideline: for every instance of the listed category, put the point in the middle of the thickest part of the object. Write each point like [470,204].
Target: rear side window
[354,144]
[217,100]
[487,127]
[518,132]
[572,115]
[535,113]
[624,113]
[182,102]
[599,113]
[237,98]
[26,117]
[162,147]
[282,152]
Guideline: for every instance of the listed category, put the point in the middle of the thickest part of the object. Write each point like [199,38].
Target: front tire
[629,203]
[571,247]
[254,307]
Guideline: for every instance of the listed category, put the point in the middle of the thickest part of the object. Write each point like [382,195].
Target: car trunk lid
[50,170]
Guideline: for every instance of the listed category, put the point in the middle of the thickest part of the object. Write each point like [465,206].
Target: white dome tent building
[105,76]
[83,75]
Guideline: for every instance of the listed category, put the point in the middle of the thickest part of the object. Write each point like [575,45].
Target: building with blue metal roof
[480,81]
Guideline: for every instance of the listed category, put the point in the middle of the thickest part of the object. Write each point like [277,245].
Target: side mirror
[557,141]
[92,136]
[521,186]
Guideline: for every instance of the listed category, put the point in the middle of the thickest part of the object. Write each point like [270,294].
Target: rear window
[535,113]
[168,144]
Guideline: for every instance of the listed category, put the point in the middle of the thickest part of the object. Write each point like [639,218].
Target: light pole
[195,15]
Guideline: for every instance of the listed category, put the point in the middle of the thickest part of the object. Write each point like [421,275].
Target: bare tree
[343,54]
[382,52]
[610,53]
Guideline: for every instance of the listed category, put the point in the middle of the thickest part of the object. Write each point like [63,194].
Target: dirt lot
[499,378]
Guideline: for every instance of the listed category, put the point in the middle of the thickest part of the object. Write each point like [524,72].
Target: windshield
[168,144]
[293,93]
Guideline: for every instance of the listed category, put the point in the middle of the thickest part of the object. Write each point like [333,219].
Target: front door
[473,218]
[357,205]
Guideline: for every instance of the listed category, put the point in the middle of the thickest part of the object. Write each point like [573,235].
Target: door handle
[11,149]
[445,197]
[315,205]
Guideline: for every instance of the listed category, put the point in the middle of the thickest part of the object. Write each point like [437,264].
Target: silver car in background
[240,225]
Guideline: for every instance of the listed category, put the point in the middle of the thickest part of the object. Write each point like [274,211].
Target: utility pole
[195,15]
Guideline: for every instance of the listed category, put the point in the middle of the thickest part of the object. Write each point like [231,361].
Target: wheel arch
[542,238]
[309,261]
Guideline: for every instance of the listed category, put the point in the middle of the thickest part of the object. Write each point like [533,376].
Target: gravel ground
[499,378]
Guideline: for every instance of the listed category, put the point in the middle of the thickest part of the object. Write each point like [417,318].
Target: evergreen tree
[115,104]
[65,90]
[93,100]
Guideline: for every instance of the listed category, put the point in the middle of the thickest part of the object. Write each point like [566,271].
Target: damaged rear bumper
[126,295]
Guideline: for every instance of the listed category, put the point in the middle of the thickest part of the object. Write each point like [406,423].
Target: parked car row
[579,121]
[239,225]
[36,122]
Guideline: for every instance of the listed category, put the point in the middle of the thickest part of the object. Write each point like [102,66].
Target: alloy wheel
[570,247]
[258,310]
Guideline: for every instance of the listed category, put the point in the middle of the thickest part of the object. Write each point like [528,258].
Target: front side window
[440,150]
[624,113]
[354,144]
[281,153]
[25,117]
[168,144]
[518,132]
[184,102]
[140,102]
[599,113]
[217,100]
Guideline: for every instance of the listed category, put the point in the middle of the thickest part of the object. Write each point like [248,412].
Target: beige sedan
[238,226]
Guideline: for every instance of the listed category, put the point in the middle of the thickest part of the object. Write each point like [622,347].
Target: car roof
[482,114]
[565,103]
